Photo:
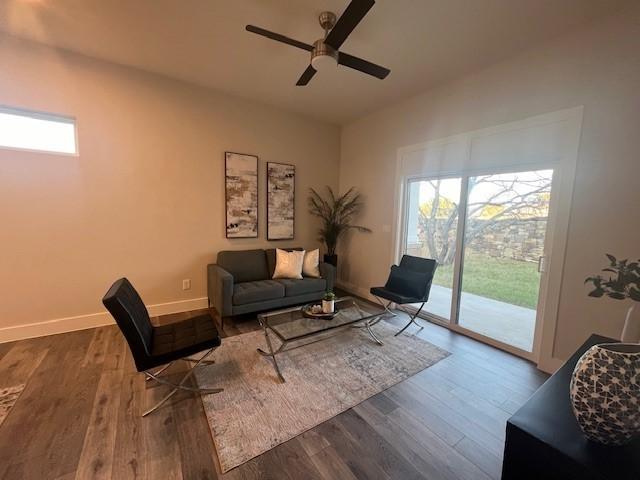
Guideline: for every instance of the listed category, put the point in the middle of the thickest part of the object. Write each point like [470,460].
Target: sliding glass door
[432,228]
[487,233]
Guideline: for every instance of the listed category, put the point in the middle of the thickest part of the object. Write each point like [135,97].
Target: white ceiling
[423,42]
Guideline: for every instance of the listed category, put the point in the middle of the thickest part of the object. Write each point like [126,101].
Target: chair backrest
[426,266]
[131,315]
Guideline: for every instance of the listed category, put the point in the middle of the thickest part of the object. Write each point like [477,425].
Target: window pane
[36,131]
[432,224]
[504,238]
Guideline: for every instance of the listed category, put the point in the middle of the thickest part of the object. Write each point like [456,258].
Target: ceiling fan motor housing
[323,55]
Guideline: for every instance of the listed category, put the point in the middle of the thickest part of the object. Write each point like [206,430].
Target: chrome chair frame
[180,385]
[412,316]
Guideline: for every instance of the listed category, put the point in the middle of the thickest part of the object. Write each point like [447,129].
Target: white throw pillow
[288,264]
[310,267]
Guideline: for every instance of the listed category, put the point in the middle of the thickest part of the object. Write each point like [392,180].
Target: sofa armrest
[328,272]
[220,289]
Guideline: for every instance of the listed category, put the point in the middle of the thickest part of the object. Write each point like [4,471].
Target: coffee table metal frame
[367,321]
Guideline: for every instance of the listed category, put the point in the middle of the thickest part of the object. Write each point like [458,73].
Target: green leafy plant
[329,296]
[337,214]
[622,283]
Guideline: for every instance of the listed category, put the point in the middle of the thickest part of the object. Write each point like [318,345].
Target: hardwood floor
[79,417]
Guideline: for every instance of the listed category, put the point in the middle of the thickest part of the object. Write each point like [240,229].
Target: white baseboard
[92,320]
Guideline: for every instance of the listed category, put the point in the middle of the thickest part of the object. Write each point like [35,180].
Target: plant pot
[631,330]
[605,393]
[331,259]
[328,306]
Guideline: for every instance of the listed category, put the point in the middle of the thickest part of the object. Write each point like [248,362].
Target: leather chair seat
[393,296]
[185,338]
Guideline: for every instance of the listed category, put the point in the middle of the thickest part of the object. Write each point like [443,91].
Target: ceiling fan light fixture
[324,62]
[323,56]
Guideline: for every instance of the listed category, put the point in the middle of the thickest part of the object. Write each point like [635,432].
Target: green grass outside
[506,280]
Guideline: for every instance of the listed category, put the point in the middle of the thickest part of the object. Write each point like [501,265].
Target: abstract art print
[241,195]
[280,201]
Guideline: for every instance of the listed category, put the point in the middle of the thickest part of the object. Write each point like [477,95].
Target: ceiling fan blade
[355,12]
[362,65]
[306,76]
[278,38]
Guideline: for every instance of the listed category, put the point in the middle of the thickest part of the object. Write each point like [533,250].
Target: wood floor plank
[331,466]
[194,438]
[466,424]
[130,452]
[373,446]
[51,416]
[483,413]
[19,363]
[312,442]
[159,432]
[426,461]
[487,461]
[462,468]
[96,460]
[437,424]
[360,463]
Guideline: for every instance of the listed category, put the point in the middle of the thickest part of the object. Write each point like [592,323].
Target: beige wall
[145,197]
[599,68]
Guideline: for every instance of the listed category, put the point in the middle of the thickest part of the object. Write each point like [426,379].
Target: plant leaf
[612,259]
[634,294]
[598,292]
[617,295]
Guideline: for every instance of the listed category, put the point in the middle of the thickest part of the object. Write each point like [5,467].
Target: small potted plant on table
[328,302]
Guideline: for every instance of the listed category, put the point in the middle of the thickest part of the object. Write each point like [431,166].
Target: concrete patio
[502,321]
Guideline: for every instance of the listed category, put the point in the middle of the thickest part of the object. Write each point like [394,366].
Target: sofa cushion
[294,288]
[258,291]
[271,259]
[244,265]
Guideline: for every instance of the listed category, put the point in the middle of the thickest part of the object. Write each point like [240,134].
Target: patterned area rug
[256,412]
[8,398]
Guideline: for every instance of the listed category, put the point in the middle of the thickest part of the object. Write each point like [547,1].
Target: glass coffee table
[291,325]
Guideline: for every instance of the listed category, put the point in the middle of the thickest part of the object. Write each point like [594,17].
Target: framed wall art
[241,195]
[281,183]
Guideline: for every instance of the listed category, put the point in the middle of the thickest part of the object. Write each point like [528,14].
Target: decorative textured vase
[631,330]
[605,393]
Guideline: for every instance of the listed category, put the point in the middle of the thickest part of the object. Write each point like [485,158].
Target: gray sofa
[241,282]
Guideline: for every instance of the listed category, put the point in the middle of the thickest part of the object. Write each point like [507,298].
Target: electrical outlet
[186,284]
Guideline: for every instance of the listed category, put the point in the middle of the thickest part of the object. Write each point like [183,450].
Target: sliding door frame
[564,167]
[458,264]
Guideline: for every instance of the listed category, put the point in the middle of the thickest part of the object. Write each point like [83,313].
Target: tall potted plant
[605,393]
[337,215]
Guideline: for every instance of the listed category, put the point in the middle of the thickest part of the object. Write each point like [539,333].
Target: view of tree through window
[506,221]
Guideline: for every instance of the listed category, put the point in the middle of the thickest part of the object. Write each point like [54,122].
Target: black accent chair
[153,346]
[409,282]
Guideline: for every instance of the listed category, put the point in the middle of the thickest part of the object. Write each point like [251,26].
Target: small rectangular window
[27,130]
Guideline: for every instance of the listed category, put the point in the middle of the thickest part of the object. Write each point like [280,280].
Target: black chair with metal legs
[153,346]
[409,282]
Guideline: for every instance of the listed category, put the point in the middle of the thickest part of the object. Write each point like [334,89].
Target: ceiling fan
[324,52]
